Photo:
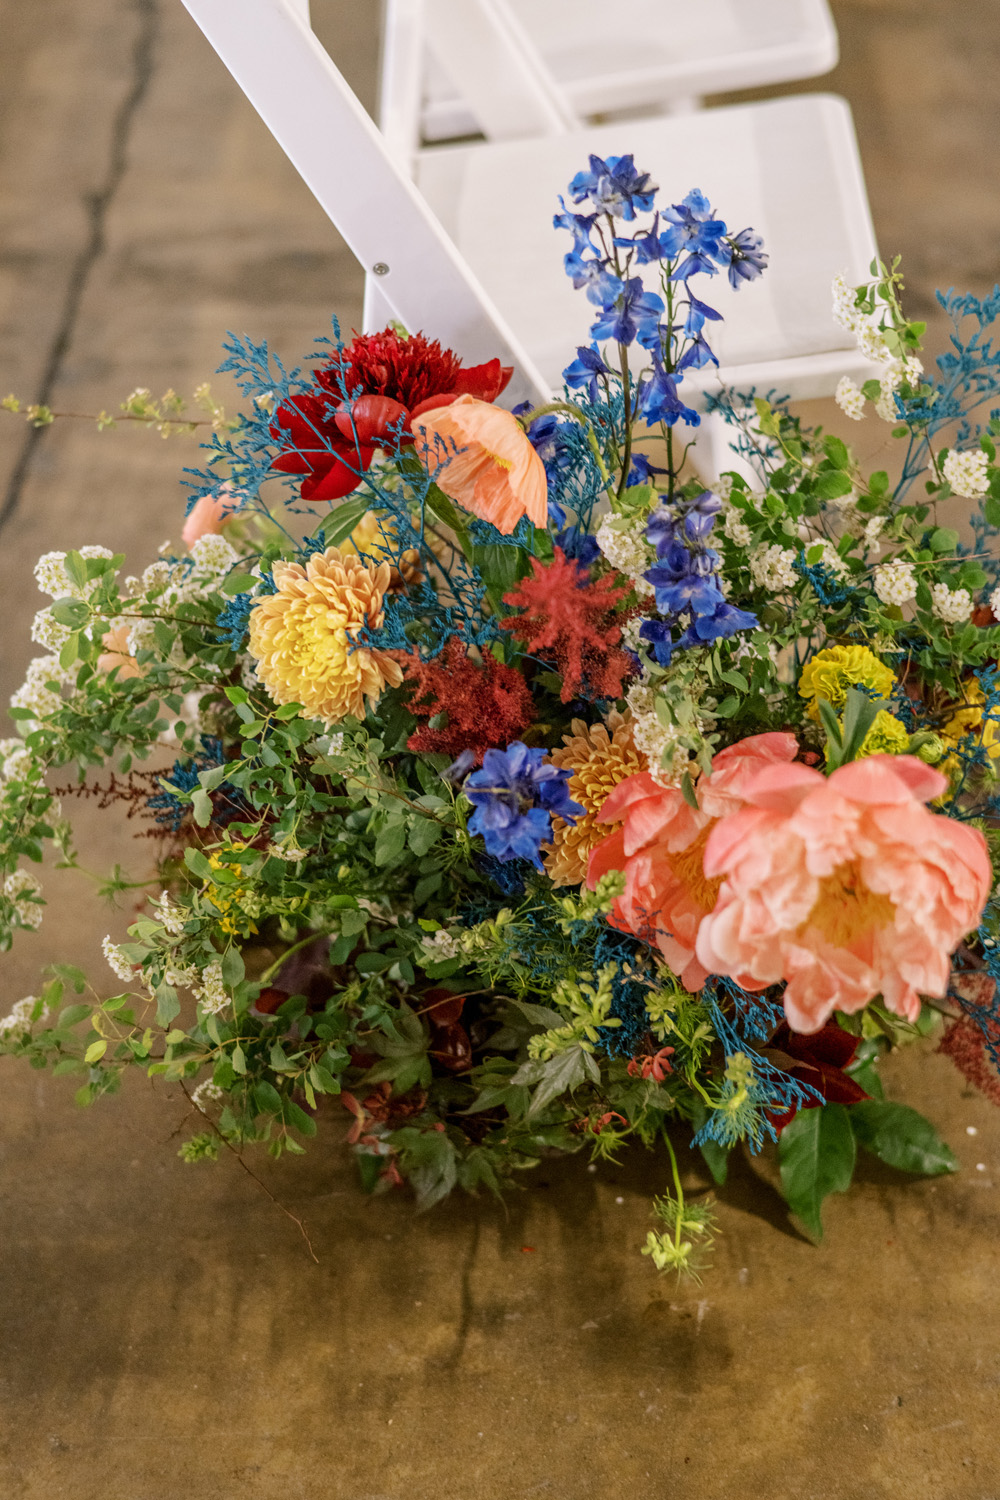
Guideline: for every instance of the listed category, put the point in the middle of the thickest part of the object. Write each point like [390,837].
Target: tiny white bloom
[967,474]
[212,995]
[735,527]
[950,605]
[771,567]
[895,583]
[22,1017]
[207,1093]
[850,398]
[213,554]
[117,962]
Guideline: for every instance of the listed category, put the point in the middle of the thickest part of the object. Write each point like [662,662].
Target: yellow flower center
[689,867]
[845,909]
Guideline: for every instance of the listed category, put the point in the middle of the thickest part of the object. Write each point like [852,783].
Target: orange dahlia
[599,761]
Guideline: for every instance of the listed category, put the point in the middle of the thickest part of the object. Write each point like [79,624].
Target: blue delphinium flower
[634,311]
[744,255]
[658,400]
[614,187]
[602,287]
[578,545]
[660,638]
[685,577]
[585,369]
[514,795]
[692,231]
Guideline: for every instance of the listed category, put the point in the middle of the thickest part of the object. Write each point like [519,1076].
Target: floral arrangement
[513,791]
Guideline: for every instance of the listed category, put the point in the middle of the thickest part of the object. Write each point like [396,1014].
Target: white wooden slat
[340,154]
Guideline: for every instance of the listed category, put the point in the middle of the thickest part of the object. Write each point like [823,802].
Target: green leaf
[238,1059]
[944,540]
[390,842]
[499,566]
[266,1098]
[338,527]
[212,778]
[831,486]
[233,968]
[688,791]
[239,583]
[817,1154]
[562,1074]
[373,963]
[71,612]
[201,803]
[198,864]
[716,1159]
[424,832]
[901,1137]
[95,1051]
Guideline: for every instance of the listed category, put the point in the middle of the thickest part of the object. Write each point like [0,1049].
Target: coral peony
[661,844]
[210,513]
[116,654]
[305,636]
[844,887]
[480,456]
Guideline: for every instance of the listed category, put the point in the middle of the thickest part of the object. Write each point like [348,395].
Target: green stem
[678,1190]
[272,969]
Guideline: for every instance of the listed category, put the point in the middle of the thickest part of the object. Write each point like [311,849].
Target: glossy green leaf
[901,1137]
[817,1152]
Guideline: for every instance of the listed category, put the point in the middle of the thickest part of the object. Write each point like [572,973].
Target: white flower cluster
[331,744]
[966,472]
[52,578]
[895,583]
[213,554]
[735,527]
[35,693]
[212,995]
[22,1017]
[46,631]
[207,1093]
[441,945]
[850,398]
[658,742]
[628,551]
[117,962]
[15,757]
[723,486]
[892,377]
[994,603]
[772,568]
[19,888]
[287,849]
[829,556]
[950,605]
[172,917]
[184,977]
[873,531]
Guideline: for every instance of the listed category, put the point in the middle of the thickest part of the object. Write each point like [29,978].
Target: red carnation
[373,388]
[819,1060]
[486,705]
[572,621]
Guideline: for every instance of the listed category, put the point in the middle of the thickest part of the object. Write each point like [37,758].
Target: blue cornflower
[614,187]
[659,401]
[602,287]
[514,796]
[744,254]
[635,311]
[585,369]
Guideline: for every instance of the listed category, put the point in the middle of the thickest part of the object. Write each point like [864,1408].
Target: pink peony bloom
[117,655]
[661,845]
[844,887]
[210,514]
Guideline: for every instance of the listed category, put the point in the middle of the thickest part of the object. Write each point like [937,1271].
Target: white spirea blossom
[34,693]
[892,377]
[117,962]
[441,945]
[19,888]
[628,551]
[995,602]
[950,605]
[331,744]
[52,578]
[22,1017]
[850,398]
[655,740]
[735,527]
[967,473]
[772,568]
[895,583]
[15,758]
[723,486]
[172,917]
[213,554]
[183,977]
[46,631]
[212,994]
[288,849]
[844,310]
[207,1093]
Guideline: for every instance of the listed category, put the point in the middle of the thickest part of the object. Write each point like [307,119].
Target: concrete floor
[164,1332]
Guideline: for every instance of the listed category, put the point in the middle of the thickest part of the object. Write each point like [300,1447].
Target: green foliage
[817,1154]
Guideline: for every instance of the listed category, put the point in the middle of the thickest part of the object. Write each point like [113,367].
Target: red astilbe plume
[572,621]
[971,1040]
[486,705]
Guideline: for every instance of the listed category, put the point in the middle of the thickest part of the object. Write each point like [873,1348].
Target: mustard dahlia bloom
[831,672]
[599,761]
[304,636]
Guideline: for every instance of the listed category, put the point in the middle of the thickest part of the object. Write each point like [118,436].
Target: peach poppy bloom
[661,843]
[844,887]
[117,654]
[210,514]
[480,456]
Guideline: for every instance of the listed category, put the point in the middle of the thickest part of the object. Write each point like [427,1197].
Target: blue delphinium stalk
[686,579]
[514,795]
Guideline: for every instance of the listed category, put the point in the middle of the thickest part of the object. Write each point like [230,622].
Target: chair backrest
[306,103]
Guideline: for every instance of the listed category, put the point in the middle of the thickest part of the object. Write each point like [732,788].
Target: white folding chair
[448,257]
[658,56]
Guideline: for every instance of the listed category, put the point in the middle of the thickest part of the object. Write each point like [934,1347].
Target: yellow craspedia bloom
[599,760]
[887,736]
[303,637]
[830,673]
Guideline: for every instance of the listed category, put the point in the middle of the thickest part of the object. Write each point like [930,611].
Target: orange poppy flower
[480,456]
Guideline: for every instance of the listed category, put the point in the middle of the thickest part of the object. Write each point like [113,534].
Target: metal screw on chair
[380,268]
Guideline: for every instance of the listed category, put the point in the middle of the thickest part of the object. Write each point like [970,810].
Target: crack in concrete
[98,205]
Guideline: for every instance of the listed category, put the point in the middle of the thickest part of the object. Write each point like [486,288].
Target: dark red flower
[370,392]
[572,622]
[485,706]
[819,1060]
[975,1036]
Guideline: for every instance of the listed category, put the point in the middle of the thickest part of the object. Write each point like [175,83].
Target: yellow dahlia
[830,673]
[599,761]
[304,636]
